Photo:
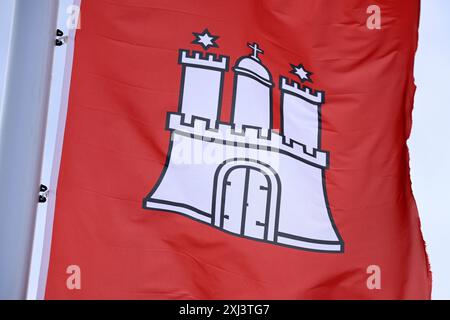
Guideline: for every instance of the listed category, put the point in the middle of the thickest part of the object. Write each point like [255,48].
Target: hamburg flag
[241,149]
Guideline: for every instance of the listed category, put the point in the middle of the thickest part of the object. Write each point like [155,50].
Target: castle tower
[252,96]
[201,84]
[300,113]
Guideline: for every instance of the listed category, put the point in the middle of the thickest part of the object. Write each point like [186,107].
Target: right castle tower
[300,114]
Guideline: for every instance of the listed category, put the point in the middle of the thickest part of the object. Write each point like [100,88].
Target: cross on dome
[254,46]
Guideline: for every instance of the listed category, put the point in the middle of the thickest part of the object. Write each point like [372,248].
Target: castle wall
[189,181]
[248,136]
[304,209]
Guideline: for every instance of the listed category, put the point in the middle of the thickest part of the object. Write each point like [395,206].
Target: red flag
[239,150]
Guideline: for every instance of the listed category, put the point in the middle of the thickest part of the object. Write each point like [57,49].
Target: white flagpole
[23,116]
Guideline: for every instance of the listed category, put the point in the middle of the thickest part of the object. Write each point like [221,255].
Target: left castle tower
[202,80]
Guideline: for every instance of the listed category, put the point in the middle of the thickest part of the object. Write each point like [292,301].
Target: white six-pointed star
[301,72]
[205,39]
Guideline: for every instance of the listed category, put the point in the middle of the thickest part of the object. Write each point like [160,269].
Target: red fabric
[126,78]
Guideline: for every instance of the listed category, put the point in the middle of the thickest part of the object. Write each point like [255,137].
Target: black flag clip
[61,39]
[43,193]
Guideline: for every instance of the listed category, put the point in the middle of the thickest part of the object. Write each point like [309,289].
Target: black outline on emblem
[274,186]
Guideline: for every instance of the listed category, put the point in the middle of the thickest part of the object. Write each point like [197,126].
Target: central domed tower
[252,96]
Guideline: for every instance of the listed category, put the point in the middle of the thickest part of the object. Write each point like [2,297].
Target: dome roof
[252,67]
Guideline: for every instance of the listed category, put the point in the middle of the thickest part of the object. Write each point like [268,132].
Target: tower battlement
[244,136]
[208,60]
[304,92]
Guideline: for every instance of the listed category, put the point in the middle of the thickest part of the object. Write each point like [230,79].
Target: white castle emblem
[265,185]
